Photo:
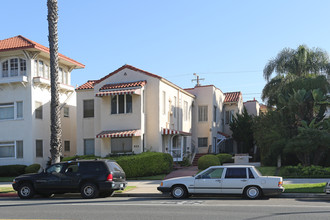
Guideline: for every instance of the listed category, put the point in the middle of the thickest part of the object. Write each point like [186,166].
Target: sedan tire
[89,191]
[179,192]
[26,191]
[252,192]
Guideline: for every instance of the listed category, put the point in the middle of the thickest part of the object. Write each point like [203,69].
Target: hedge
[33,168]
[139,165]
[12,170]
[207,161]
[225,158]
[146,164]
[304,172]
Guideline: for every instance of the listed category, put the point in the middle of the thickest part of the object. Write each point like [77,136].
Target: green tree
[241,127]
[56,129]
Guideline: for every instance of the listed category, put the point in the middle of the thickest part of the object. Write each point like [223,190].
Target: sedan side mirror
[198,177]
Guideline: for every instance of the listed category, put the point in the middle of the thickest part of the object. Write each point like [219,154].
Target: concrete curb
[160,195]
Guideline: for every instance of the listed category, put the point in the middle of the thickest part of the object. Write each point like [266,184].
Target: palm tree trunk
[55,114]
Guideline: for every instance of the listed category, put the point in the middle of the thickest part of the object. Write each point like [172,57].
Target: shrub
[33,168]
[81,157]
[207,161]
[12,170]
[146,164]
[305,172]
[225,158]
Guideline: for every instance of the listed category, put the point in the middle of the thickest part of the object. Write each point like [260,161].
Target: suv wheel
[26,191]
[89,191]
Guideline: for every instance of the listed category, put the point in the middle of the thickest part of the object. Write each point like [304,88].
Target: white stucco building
[252,107]
[132,110]
[25,102]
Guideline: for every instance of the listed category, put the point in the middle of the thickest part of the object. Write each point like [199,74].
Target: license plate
[121,185]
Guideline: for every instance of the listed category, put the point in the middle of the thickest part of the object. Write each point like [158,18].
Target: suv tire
[89,191]
[26,191]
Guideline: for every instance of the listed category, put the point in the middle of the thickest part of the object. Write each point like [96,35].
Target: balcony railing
[13,79]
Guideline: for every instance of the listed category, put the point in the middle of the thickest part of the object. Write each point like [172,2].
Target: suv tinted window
[90,167]
[236,173]
[113,166]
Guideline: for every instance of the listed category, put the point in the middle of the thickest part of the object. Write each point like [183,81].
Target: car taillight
[110,177]
[280,183]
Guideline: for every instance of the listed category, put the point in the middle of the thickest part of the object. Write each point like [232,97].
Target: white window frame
[202,113]
[40,108]
[185,110]
[117,105]
[164,102]
[42,148]
[21,67]
[66,112]
[15,108]
[174,106]
[14,145]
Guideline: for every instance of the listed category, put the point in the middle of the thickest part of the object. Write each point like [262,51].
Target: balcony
[13,80]
[46,83]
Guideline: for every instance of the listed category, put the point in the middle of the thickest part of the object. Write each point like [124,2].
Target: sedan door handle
[243,180]
[218,181]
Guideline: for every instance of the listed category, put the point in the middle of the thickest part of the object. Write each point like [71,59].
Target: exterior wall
[29,129]
[252,107]
[211,97]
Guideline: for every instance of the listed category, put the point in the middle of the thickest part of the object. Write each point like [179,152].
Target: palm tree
[300,62]
[289,65]
[56,130]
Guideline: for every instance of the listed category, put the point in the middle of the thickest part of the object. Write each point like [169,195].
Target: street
[73,207]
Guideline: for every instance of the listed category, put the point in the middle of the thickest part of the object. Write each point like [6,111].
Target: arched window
[14,67]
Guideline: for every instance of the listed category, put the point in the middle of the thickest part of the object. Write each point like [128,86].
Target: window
[38,111]
[212,174]
[14,67]
[185,110]
[215,113]
[22,67]
[19,149]
[121,145]
[7,111]
[66,145]
[5,69]
[236,173]
[202,113]
[202,142]
[251,176]
[41,68]
[56,168]
[89,147]
[46,73]
[174,108]
[39,148]
[60,75]
[229,116]
[121,104]
[66,112]
[7,149]
[19,109]
[89,108]
[164,102]
[65,78]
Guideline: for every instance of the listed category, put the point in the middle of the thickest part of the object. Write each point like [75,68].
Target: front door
[71,177]
[50,179]
[177,150]
[209,182]
[234,180]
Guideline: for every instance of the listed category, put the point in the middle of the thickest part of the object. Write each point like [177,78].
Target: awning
[125,133]
[222,135]
[167,131]
[136,91]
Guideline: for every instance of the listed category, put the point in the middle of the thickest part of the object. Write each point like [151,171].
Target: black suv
[92,178]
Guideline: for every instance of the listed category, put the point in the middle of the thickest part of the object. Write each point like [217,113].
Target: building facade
[25,102]
[132,111]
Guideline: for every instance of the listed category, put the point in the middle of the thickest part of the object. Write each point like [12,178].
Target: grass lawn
[128,188]
[304,188]
[6,190]
[6,179]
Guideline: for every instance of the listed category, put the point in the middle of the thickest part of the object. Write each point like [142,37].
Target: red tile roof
[20,43]
[88,85]
[232,96]
[124,85]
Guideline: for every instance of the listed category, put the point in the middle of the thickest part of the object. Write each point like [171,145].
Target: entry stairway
[195,161]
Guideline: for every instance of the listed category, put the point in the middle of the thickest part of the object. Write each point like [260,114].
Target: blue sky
[226,42]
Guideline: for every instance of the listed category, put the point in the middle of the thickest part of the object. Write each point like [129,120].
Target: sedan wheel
[252,192]
[179,192]
[89,191]
[26,191]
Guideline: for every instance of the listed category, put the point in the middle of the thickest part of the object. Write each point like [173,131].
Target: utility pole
[197,79]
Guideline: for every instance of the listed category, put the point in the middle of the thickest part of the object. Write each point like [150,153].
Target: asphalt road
[168,209]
